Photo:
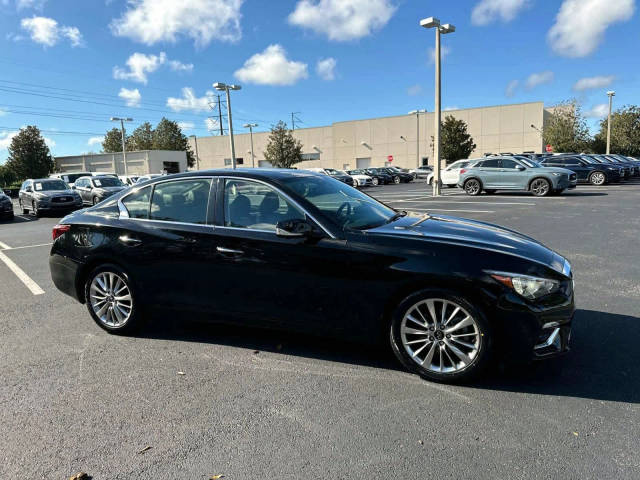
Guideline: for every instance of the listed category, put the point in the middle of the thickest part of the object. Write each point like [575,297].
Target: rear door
[489,173]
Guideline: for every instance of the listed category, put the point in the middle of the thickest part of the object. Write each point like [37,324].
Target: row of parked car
[367,177]
[541,174]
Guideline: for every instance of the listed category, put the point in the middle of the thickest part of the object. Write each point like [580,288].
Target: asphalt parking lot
[247,404]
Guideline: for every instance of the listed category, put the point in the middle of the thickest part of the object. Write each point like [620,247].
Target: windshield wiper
[396,216]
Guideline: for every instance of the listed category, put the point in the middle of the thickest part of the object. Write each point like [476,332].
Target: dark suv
[397,175]
[588,171]
[47,195]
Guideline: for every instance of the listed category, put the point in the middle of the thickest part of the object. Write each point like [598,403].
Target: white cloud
[139,66]
[50,142]
[271,67]
[342,19]
[153,21]
[131,97]
[488,11]
[30,4]
[95,141]
[581,24]
[510,91]
[589,83]
[3,112]
[414,90]
[326,68]
[5,138]
[448,109]
[190,102]
[186,125]
[178,66]
[444,51]
[540,78]
[47,32]
[597,111]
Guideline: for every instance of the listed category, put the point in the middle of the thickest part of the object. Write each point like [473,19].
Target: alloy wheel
[111,299]
[540,187]
[597,178]
[472,187]
[374,180]
[440,335]
[34,209]
[396,180]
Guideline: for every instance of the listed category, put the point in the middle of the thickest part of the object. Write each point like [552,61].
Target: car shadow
[603,363]
[572,193]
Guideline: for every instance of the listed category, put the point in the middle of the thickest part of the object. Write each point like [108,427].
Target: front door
[510,176]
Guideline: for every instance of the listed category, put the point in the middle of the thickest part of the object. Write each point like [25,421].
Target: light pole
[195,141]
[227,88]
[611,94]
[250,127]
[417,114]
[124,150]
[433,22]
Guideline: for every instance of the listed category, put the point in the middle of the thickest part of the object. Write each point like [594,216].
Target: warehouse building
[388,140]
[138,163]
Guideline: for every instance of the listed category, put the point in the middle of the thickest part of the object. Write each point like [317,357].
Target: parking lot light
[417,114]
[124,150]
[250,126]
[610,94]
[220,86]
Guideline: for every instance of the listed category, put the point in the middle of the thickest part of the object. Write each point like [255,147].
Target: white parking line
[479,202]
[4,246]
[449,210]
[30,246]
[23,277]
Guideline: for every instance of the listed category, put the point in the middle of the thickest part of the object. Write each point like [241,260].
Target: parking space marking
[4,246]
[29,246]
[449,210]
[23,277]
[465,202]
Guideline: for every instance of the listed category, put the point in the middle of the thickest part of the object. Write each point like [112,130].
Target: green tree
[169,136]
[625,132]
[7,176]
[566,129]
[456,142]
[29,156]
[283,151]
[141,138]
[112,142]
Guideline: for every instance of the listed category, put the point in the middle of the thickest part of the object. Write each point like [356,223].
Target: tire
[34,210]
[415,176]
[25,211]
[436,354]
[430,182]
[121,316]
[396,180]
[540,187]
[473,187]
[375,181]
[597,178]
[490,191]
[95,201]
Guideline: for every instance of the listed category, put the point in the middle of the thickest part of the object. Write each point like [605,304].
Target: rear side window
[490,164]
[137,204]
[181,201]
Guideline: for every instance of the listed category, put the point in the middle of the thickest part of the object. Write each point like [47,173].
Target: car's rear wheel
[472,187]
[396,180]
[441,336]
[95,200]
[375,181]
[540,187]
[597,178]
[111,300]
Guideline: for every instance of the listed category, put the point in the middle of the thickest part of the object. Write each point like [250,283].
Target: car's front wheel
[375,181]
[472,187]
[597,178]
[24,210]
[540,187]
[441,336]
[396,180]
[111,300]
[34,209]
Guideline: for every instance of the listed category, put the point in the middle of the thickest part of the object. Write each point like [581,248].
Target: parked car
[337,174]
[508,173]
[47,195]
[491,290]
[450,175]
[586,171]
[374,179]
[382,175]
[70,177]
[633,165]
[129,180]
[6,206]
[144,178]
[397,175]
[93,190]
[359,179]
[421,172]
[626,169]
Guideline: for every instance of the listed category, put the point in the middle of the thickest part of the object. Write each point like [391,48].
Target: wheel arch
[473,177]
[544,177]
[88,267]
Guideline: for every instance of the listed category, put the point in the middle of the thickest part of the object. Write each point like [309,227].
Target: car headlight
[557,174]
[526,286]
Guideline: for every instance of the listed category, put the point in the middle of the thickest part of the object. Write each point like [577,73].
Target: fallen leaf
[79,476]
[181,373]
[216,477]
[575,433]
[144,450]
[420,442]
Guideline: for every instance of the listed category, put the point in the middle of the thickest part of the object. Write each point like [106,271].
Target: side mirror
[29,189]
[73,187]
[520,167]
[294,228]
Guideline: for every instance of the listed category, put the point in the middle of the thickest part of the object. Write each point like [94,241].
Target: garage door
[363,162]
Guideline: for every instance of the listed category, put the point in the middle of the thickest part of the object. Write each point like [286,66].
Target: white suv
[450,175]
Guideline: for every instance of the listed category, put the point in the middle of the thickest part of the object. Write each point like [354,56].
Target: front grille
[61,199]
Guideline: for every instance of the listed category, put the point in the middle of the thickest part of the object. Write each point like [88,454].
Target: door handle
[129,241]
[228,251]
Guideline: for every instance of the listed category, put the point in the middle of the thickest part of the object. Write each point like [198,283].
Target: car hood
[554,170]
[471,233]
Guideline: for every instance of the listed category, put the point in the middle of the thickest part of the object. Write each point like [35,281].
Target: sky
[67,66]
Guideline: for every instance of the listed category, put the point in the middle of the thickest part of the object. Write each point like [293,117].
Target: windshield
[588,159]
[529,163]
[48,185]
[344,205]
[331,171]
[107,182]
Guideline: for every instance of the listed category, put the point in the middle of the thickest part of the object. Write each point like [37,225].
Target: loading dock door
[363,162]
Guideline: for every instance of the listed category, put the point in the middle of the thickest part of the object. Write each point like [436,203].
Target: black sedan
[279,248]
[586,169]
[397,175]
[6,206]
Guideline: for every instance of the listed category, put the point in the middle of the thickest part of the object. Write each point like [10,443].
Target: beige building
[138,163]
[388,140]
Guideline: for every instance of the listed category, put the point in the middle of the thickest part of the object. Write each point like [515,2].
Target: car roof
[255,173]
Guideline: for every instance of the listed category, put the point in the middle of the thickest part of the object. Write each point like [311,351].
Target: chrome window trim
[225,177]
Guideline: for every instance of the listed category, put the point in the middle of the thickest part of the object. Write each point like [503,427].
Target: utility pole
[220,116]
[195,141]
[611,94]
[227,88]
[293,120]
[250,127]
[124,149]
[417,113]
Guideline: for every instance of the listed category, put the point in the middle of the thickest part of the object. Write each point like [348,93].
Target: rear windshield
[107,182]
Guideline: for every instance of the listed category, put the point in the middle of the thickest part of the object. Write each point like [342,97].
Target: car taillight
[58,230]
[462,170]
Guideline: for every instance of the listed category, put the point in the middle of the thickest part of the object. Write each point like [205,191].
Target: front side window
[256,206]
[137,204]
[183,201]
[509,164]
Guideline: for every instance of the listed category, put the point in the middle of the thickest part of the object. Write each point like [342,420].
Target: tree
[141,138]
[7,176]
[112,142]
[566,130]
[456,143]
[169,136]
[29,156]
[625,132]
[283,151]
